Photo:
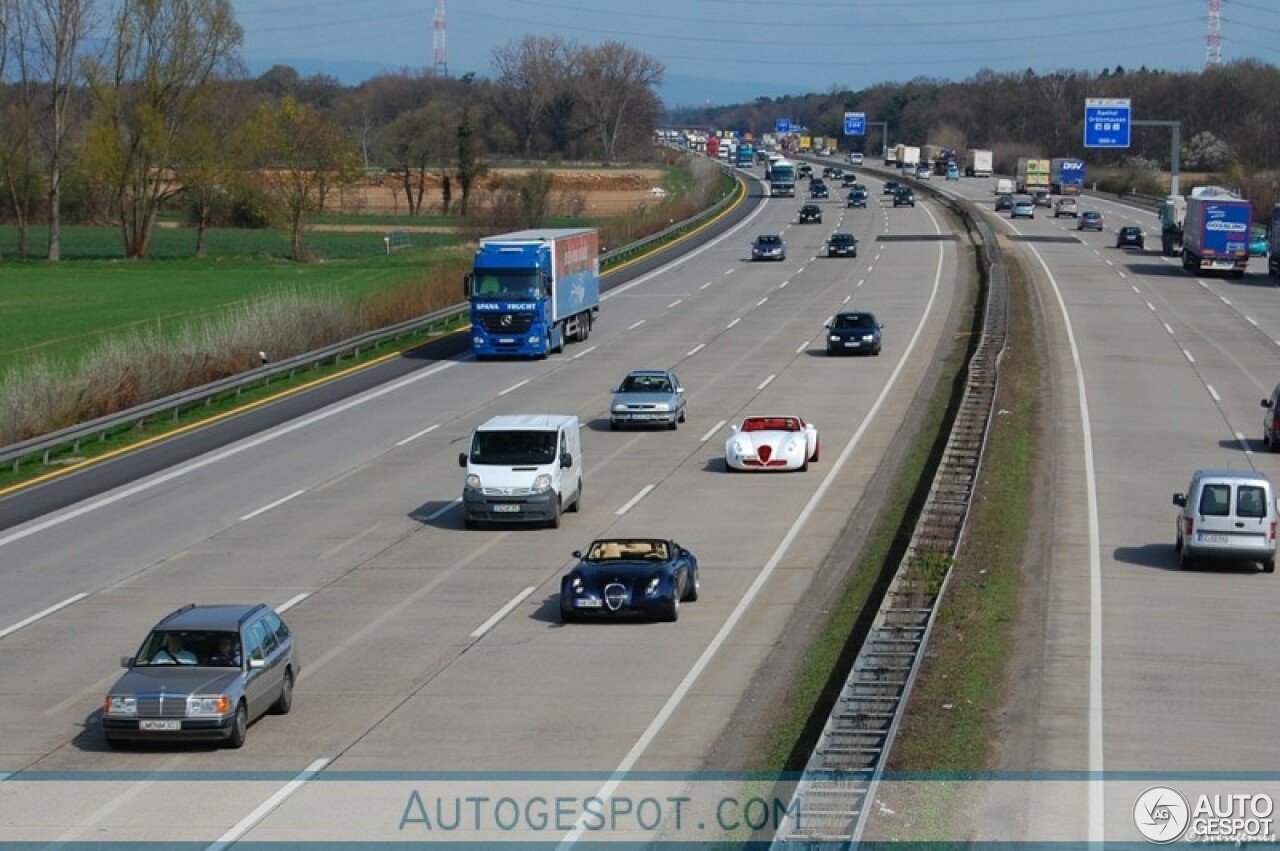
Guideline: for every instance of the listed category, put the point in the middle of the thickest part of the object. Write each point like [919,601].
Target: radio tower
[1213,38]
[441,52]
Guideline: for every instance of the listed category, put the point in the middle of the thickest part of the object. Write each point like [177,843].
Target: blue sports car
[629,576]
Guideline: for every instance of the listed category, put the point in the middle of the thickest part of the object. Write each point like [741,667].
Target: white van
[523,468]
[1004,186]
[1227,515]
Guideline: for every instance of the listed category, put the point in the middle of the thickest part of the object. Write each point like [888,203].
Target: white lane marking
[584,352]
[801,269]
[634,325]
[210,460]
[734,322]
[1168,327]
[514,387]
[247,823]
[1213,393]
[849,297]
[707,284]
[1244,443]
[1189,357]
[783,285]
[1223,300]
[1096,812]
[1203,284]
[762,301]
[674,303]
[730,271]
[1108,262]
[803,347]
[1151,307]
[766,382]
[1251,321]
[292,601]
[712,432]
[862,281]
[746,599]
[270,505]
[695,350]
[417,435]
[28,621]
[444,509]
[1123,276]
[631,503]
[497,616]
[1136,291]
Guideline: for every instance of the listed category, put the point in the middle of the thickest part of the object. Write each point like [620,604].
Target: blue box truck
[532,291]
[1066,176]
[1215,233]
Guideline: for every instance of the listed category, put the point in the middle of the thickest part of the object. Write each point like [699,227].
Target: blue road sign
[782,125]
[1106,122]
[855,124]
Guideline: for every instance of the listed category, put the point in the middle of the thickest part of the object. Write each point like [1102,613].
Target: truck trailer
[1066,176]
[1032,175]
[1215,232]
[532,291]
[978,163]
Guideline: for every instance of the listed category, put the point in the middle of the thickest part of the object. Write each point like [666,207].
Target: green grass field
[62,309]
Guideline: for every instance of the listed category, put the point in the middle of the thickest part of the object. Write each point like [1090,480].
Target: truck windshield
[513,447]
[497,283]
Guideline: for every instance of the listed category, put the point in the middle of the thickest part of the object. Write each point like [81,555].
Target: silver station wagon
[204,672]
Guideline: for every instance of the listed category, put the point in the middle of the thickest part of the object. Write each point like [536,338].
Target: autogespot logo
[1161,814]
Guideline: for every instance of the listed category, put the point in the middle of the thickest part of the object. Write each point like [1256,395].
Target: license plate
[644,416]
[853,344]
[583,603]
[506,508]
[159,726]
[1212,538]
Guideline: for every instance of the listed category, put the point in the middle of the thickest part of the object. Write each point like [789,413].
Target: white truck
[977,163]
[522,468]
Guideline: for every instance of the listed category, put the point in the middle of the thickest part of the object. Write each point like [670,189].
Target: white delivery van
[523,468]
[1004,186]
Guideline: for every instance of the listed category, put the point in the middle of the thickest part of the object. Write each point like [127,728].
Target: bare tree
[149,92]
[616,78]
[532,72]
[57,29]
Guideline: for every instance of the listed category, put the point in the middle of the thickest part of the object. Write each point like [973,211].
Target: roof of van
[1247,475]
[541,422]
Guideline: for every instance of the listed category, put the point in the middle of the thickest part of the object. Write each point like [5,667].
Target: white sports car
[772,443]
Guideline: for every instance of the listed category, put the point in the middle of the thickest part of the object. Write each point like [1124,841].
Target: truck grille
[506,323]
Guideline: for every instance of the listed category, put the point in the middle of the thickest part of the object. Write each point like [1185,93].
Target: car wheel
[284,702]
[239,727]
[683,414]
[615,426]
[817,450]
[1269,566]
[691,593]
[1185,561]
[567,614]
[671,610]
[115,743]
[576,505]
[1177,545]
[470,524]
[674,424]
[554,521]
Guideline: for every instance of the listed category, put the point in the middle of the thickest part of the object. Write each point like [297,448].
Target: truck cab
[523,468]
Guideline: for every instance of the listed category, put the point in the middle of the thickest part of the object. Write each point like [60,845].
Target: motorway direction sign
[855,124]
[1106,122]
[782,125]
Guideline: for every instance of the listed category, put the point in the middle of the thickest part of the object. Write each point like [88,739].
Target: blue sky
[723,51]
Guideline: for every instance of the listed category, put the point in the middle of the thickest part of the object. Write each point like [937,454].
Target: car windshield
[627,549]
[513,447]
[645,384]
[771,424]
[841,238]
[505,284]
[854,321]
[768,240]
[209,648]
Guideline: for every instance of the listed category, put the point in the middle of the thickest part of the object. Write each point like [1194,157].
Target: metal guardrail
[839,782]
[172,406]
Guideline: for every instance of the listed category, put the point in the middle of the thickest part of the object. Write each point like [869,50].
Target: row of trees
[1230,115]
[121,109]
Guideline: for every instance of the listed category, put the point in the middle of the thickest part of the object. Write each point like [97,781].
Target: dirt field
[600,192]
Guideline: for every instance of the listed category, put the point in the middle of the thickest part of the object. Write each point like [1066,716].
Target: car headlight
[117,705]
[652,587]
[662,406]
[739,447]
[867,338]
[620,407]
[576,584]
[835,338]
[795,446]
[473,482]
[542,483]
[214,705]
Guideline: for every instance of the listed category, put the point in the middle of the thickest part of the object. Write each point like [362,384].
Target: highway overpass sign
[855,124]
[782,125]
[1106,122]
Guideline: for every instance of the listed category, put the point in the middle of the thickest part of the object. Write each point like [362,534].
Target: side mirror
[733,429]
[566,460]
[1266,403]
[1180,500]
[462,459]
[576,554]
[257,664]
[466,285]
[126,661]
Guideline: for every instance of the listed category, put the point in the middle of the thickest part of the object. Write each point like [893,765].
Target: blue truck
[1066,176]
[746,156]
[532,291]
[1215,232]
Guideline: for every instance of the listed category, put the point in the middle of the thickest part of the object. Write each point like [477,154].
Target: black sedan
[842,245]
[1130,235]
[1004,202]
[890,187]
[818,189]
[853,331]
[857,198]
[629,576]
[810,214]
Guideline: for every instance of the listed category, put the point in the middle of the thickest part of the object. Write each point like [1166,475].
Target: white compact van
[523,468]
[1227,515]
[1004,186]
